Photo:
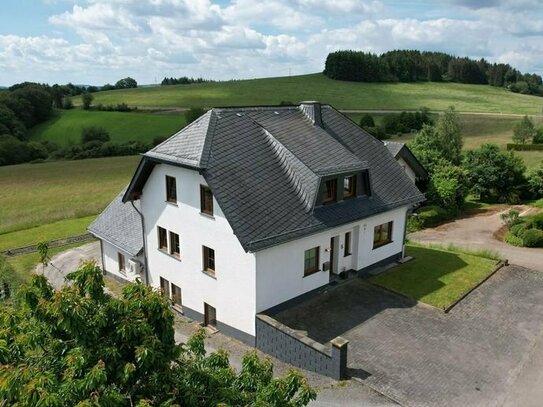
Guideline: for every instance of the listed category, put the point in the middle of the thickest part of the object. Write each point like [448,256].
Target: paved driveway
[476,232]
[419,356]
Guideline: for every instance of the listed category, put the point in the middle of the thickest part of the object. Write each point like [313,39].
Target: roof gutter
[146,264]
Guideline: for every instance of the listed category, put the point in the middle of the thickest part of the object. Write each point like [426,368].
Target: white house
[248,208]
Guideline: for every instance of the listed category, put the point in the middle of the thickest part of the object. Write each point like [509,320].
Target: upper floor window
[206,200]
[174,244]
[311,261]
[330,190]
[382,234]
[171,189]
[209,259]
[162,239]
[349,187]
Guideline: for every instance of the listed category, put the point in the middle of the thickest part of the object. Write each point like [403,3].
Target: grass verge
[52,231]
[437,276]
[25,264]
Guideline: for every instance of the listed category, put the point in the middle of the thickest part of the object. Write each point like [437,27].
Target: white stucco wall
[280,269]
[110,259]
[232,291]
[408,170]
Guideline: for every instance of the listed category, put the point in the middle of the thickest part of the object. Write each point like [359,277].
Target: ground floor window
[311,261]
[165,287]
[347,245]
[176,296]
[210,315]
[122,262]
[382,234]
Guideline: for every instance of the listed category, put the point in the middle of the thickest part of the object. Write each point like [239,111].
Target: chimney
[312,109]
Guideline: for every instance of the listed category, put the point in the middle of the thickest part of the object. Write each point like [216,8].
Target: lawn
[436,277]
[38,194]
[51,231]
[341,94]
[65,128]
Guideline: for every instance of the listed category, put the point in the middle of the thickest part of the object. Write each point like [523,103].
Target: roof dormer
[342,187]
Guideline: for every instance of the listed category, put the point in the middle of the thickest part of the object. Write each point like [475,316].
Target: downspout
[407,211]
[146,265]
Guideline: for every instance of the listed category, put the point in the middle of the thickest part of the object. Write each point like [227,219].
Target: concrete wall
[408,170]
[232,289]
[280,269]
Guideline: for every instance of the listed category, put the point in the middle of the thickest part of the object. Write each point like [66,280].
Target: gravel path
[475,233]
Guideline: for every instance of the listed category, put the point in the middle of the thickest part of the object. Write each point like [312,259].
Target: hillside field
[40,194]
[65,128]
[340,94]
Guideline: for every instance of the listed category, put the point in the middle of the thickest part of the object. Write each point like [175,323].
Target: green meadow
[340,94]
[65,127]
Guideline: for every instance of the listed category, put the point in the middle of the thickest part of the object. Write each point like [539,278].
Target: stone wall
[290,346]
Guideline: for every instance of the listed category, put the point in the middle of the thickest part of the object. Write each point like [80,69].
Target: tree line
[183,80]
[413,66]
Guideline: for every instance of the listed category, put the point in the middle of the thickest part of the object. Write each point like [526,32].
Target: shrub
[367,121]
[532,238]
[510,217]
[377,132]
[538,137]
[512,239]
[94,133]
[517,230]
[193,113]
[427,216]
[538,203]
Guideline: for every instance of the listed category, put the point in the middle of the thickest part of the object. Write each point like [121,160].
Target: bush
[94,133]
[538,137]
[517,230]
[538,203]
[532,238]
[367,121]
[377,132]
[510,217]
[159,139]
[426,217]
[512,239]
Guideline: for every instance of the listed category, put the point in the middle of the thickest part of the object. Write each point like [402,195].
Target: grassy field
[51,231]
[436,277]
[342,95]
[40,194]
[66,126]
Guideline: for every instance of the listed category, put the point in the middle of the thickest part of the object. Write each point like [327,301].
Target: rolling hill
[340,94]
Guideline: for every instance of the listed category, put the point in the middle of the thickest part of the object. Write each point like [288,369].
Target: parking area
[477,354]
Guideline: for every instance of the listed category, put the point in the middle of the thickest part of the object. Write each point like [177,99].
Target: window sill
[178,258]
[209,274]
[207,215]
[382,244]
[172,203]
[312,273]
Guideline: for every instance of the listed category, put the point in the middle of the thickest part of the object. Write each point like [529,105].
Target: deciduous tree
[524,131]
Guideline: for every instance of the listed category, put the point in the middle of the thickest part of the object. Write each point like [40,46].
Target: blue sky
[100,41]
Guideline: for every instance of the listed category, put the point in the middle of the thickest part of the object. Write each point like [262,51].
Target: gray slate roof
[265,164]
[401,150]
[120,225]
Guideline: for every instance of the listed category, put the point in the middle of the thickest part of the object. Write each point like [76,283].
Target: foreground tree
[80,346]
[448,187]
[493,174]
[524,131]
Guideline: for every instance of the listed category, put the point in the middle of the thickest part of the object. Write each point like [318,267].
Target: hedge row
[525,147]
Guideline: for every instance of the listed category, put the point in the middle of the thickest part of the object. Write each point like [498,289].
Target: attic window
[329,193]
[349,187]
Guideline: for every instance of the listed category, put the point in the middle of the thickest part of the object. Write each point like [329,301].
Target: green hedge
[525,147]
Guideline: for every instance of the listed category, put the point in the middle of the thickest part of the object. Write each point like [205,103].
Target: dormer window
[329,193]
[349,187]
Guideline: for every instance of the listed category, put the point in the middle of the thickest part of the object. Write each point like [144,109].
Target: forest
[415,66]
